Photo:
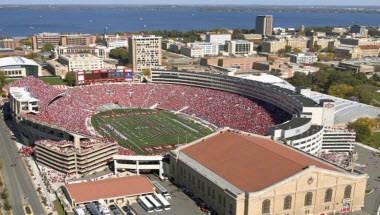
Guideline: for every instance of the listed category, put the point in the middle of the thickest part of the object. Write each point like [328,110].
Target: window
[265,207]
[287,203]
[308,199]
[328,195]
[347,192]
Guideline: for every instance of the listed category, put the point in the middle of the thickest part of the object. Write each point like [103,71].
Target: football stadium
[81,129]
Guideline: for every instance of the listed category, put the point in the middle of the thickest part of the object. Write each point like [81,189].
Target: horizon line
[185,4]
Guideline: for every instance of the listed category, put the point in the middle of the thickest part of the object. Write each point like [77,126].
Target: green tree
[363,130]
[70,78]
[47,47]
[120,54]
[26,42]
[341,90]
[301,80]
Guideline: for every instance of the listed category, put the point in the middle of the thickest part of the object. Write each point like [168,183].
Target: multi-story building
[264,25]
[144,52]
[56,39]
[359,30]
[192,51]
[77,62]
[98,51]
[208,49]
[297,42]
[9,43]
[13,67]
[239,47]
[303,58]
[241,63]
[273,46]
[218,38]
[69,158]
[250,174]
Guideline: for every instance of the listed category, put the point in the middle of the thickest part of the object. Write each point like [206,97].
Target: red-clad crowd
[76,105]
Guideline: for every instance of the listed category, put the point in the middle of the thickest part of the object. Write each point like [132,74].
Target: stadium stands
[70,109]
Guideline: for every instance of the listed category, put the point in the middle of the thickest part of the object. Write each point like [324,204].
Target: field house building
[241,173]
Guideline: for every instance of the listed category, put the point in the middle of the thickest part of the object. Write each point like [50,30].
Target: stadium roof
[248,162]
[109,188]
[16,61]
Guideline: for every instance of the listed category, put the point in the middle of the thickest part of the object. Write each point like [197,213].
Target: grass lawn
[373,140]
[58,207]
[138,129]
[53,80]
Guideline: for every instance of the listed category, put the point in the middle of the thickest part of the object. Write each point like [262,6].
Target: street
[372,168]
[17,180]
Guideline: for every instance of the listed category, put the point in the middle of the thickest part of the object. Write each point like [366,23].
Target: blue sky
[210,2]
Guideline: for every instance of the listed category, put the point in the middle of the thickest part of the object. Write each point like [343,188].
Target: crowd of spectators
[70,109]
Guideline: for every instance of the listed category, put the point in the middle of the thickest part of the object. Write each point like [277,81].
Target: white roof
[345,110]
[21,94]
[16,61]
[266,78]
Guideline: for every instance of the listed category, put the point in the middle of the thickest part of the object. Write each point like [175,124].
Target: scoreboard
[103,76]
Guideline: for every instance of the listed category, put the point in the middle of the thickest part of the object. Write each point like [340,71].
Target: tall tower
[264,25]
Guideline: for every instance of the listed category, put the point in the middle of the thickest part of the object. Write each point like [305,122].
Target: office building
[239,47]
[238,173]
[98,51]
[264,25]
[56,39]
[78,62]
[303,58]
[359,30]
[144,52]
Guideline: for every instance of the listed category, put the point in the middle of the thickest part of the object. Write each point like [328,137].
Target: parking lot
[369,163]
[180,202]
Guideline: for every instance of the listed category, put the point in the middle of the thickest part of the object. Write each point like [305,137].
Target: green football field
[147,131]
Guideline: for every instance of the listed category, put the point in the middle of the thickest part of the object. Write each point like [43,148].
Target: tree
[363,131]
[288,49]
[341,90]
[26,42]
[2,82]
[70,78]
[120,54]
[47,47]
[301,80]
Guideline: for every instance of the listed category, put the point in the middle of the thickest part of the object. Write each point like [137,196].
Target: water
[24,21]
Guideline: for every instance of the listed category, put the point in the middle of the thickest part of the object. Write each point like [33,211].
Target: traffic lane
[372,168]
[27,192]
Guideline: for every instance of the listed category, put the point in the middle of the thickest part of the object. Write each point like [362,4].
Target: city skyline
[197,2]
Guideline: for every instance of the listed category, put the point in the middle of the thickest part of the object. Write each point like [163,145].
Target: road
[18,182]
[372,162]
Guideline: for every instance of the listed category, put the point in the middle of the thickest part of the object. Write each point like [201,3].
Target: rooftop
[109,188]
[258,162]
[21,94]
[16,61]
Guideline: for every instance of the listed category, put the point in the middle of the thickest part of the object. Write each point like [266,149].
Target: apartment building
[144,52]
